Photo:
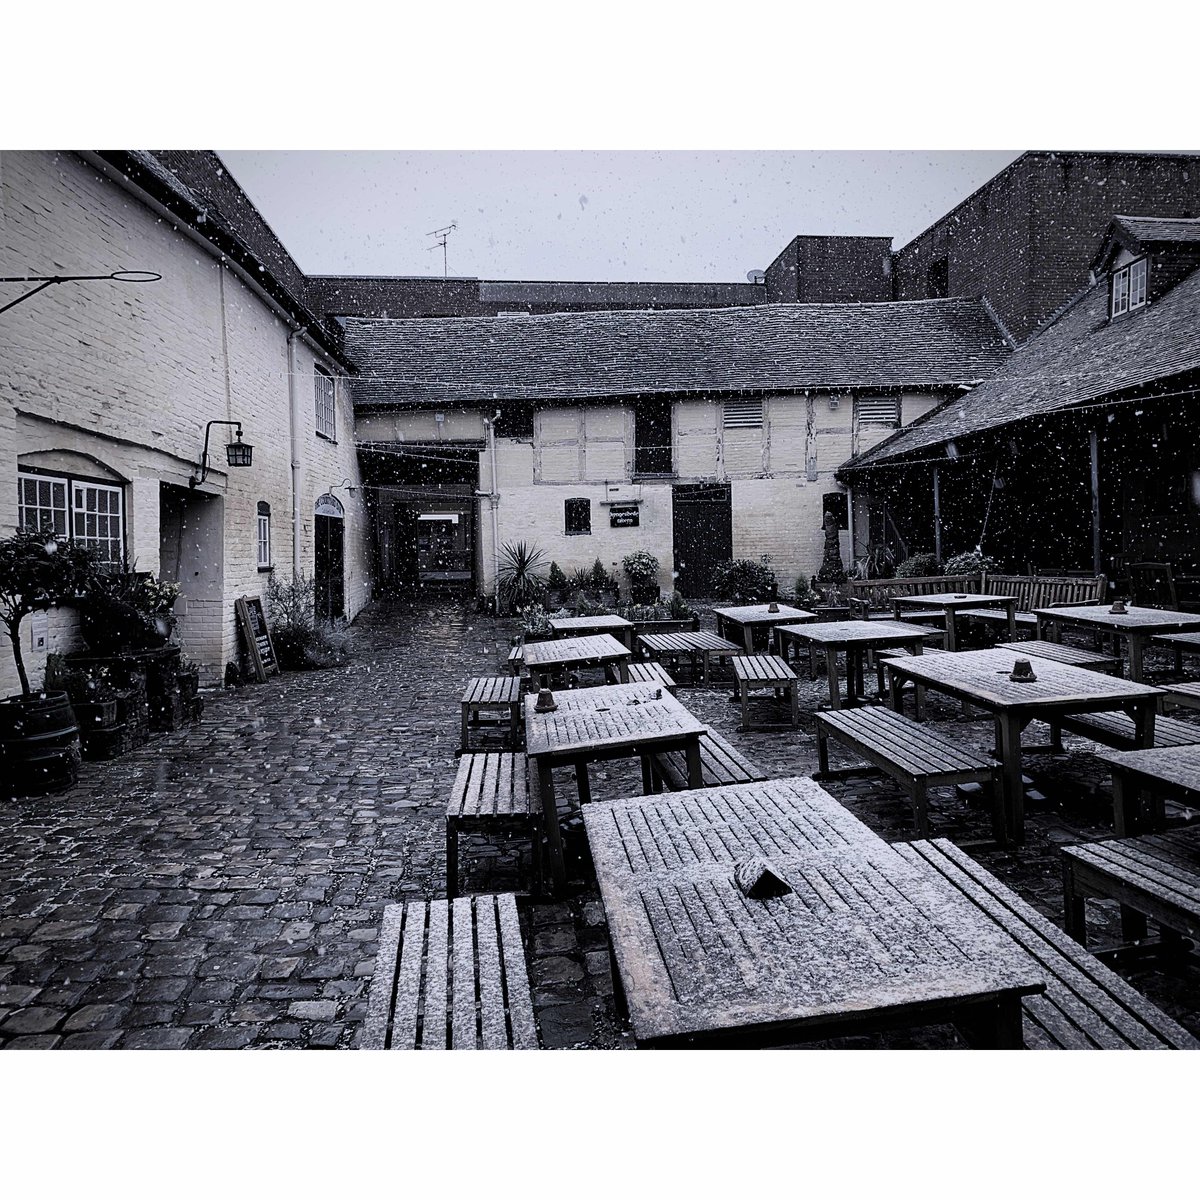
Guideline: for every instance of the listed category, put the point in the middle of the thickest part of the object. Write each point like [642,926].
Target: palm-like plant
[522,578]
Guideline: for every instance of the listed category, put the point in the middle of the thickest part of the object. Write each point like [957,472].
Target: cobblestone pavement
[222,887]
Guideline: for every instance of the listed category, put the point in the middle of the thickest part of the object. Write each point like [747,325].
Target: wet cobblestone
[222,887]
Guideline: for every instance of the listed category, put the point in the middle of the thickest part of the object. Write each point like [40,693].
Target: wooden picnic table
[591,724]
[1136,625]
[862,941]
[854,639]
[981,677]
[1172,771]
[545,660]
[952,603]
[619,627]
[742,620]
[699,646]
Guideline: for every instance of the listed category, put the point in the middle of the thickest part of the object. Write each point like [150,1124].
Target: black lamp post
[238,453]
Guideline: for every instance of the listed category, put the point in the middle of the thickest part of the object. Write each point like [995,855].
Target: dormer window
[1129,287]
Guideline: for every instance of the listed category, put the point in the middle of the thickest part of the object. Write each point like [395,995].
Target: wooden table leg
[1012,620]
[582,783]
[623,669]
[1137,646]
[1127,806]
[743,688]
[1012,787]
[951,631]
[793,690]
[465,717]
[558,867]
[694,765]
[835,692]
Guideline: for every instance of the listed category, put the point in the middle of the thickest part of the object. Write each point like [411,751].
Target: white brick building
[106,388]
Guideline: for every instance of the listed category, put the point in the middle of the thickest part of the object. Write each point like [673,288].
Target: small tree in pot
[38,570]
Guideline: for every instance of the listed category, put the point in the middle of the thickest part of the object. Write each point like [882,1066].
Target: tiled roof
[1162,229]
[1082,356]
[562,356]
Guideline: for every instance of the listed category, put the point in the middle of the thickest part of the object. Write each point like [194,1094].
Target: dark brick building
[820,270]
[1027,237]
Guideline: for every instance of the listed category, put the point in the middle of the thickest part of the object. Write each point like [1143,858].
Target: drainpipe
[295,421]
[494,501]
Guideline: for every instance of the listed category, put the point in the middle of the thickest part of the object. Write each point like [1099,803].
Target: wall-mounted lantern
[237,453]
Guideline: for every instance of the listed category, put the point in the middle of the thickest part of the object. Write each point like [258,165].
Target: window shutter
[743,414]
[878,410]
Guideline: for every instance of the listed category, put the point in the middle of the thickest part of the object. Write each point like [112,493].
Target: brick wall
[1026,238]
[816,269]
[128,376]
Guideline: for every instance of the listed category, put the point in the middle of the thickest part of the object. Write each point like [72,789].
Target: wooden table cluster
[764,913]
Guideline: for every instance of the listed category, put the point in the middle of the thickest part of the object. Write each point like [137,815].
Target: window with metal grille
[878,410]
[743,414]
[577,512]
[90,513]
[1129,287]
[264,535]
[326,410]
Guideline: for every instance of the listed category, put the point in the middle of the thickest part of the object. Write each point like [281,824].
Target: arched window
[264,536]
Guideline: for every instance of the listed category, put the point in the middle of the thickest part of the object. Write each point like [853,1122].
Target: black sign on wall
[624,516]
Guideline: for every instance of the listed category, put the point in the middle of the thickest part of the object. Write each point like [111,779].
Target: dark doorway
[330,562]
[702,526]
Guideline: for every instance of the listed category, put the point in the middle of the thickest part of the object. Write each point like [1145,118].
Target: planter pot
[189,683]
[39,743]
[95,714]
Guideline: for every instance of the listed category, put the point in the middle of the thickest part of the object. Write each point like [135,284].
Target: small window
[1129,288]
[326,410]
[743,414]
[578,514]
[938,279]
[264,536]
[652,451]
[878,410]
[89,513]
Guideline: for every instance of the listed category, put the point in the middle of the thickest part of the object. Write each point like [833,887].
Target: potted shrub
[579,586]
[39,739]
[93,697]
[128,611]
[641,569]
[558,586]
[605,585]
[918,566]
[744,581]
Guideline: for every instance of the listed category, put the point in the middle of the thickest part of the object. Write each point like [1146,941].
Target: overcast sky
[593,215]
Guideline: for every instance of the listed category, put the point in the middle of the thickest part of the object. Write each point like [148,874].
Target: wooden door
[702,532]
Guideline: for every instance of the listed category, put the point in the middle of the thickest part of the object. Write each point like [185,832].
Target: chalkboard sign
[253,624]
[624,516]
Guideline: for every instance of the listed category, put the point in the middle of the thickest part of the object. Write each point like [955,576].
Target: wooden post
[1094,448]
[937,514]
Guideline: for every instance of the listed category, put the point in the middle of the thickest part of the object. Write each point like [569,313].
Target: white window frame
[84,515]
[263,527]
[1129,290]
[325,394]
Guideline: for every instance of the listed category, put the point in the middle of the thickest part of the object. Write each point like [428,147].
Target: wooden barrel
[39,743]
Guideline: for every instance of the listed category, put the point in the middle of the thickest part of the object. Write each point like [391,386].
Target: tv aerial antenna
[441,237]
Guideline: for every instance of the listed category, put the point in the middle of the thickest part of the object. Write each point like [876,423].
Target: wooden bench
[1085,1005]
[652,672]
[719,761]
[874,599]
[1180,644]
[487,693]
[492,794]
[881,656]
[912,753]
[450,975]
[1037,591]
[516,660]
[756,672]
[1118,730]
[1156,876]
[1179,695]
[1072,656]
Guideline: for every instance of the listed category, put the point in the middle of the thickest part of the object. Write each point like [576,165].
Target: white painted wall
[128,375]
